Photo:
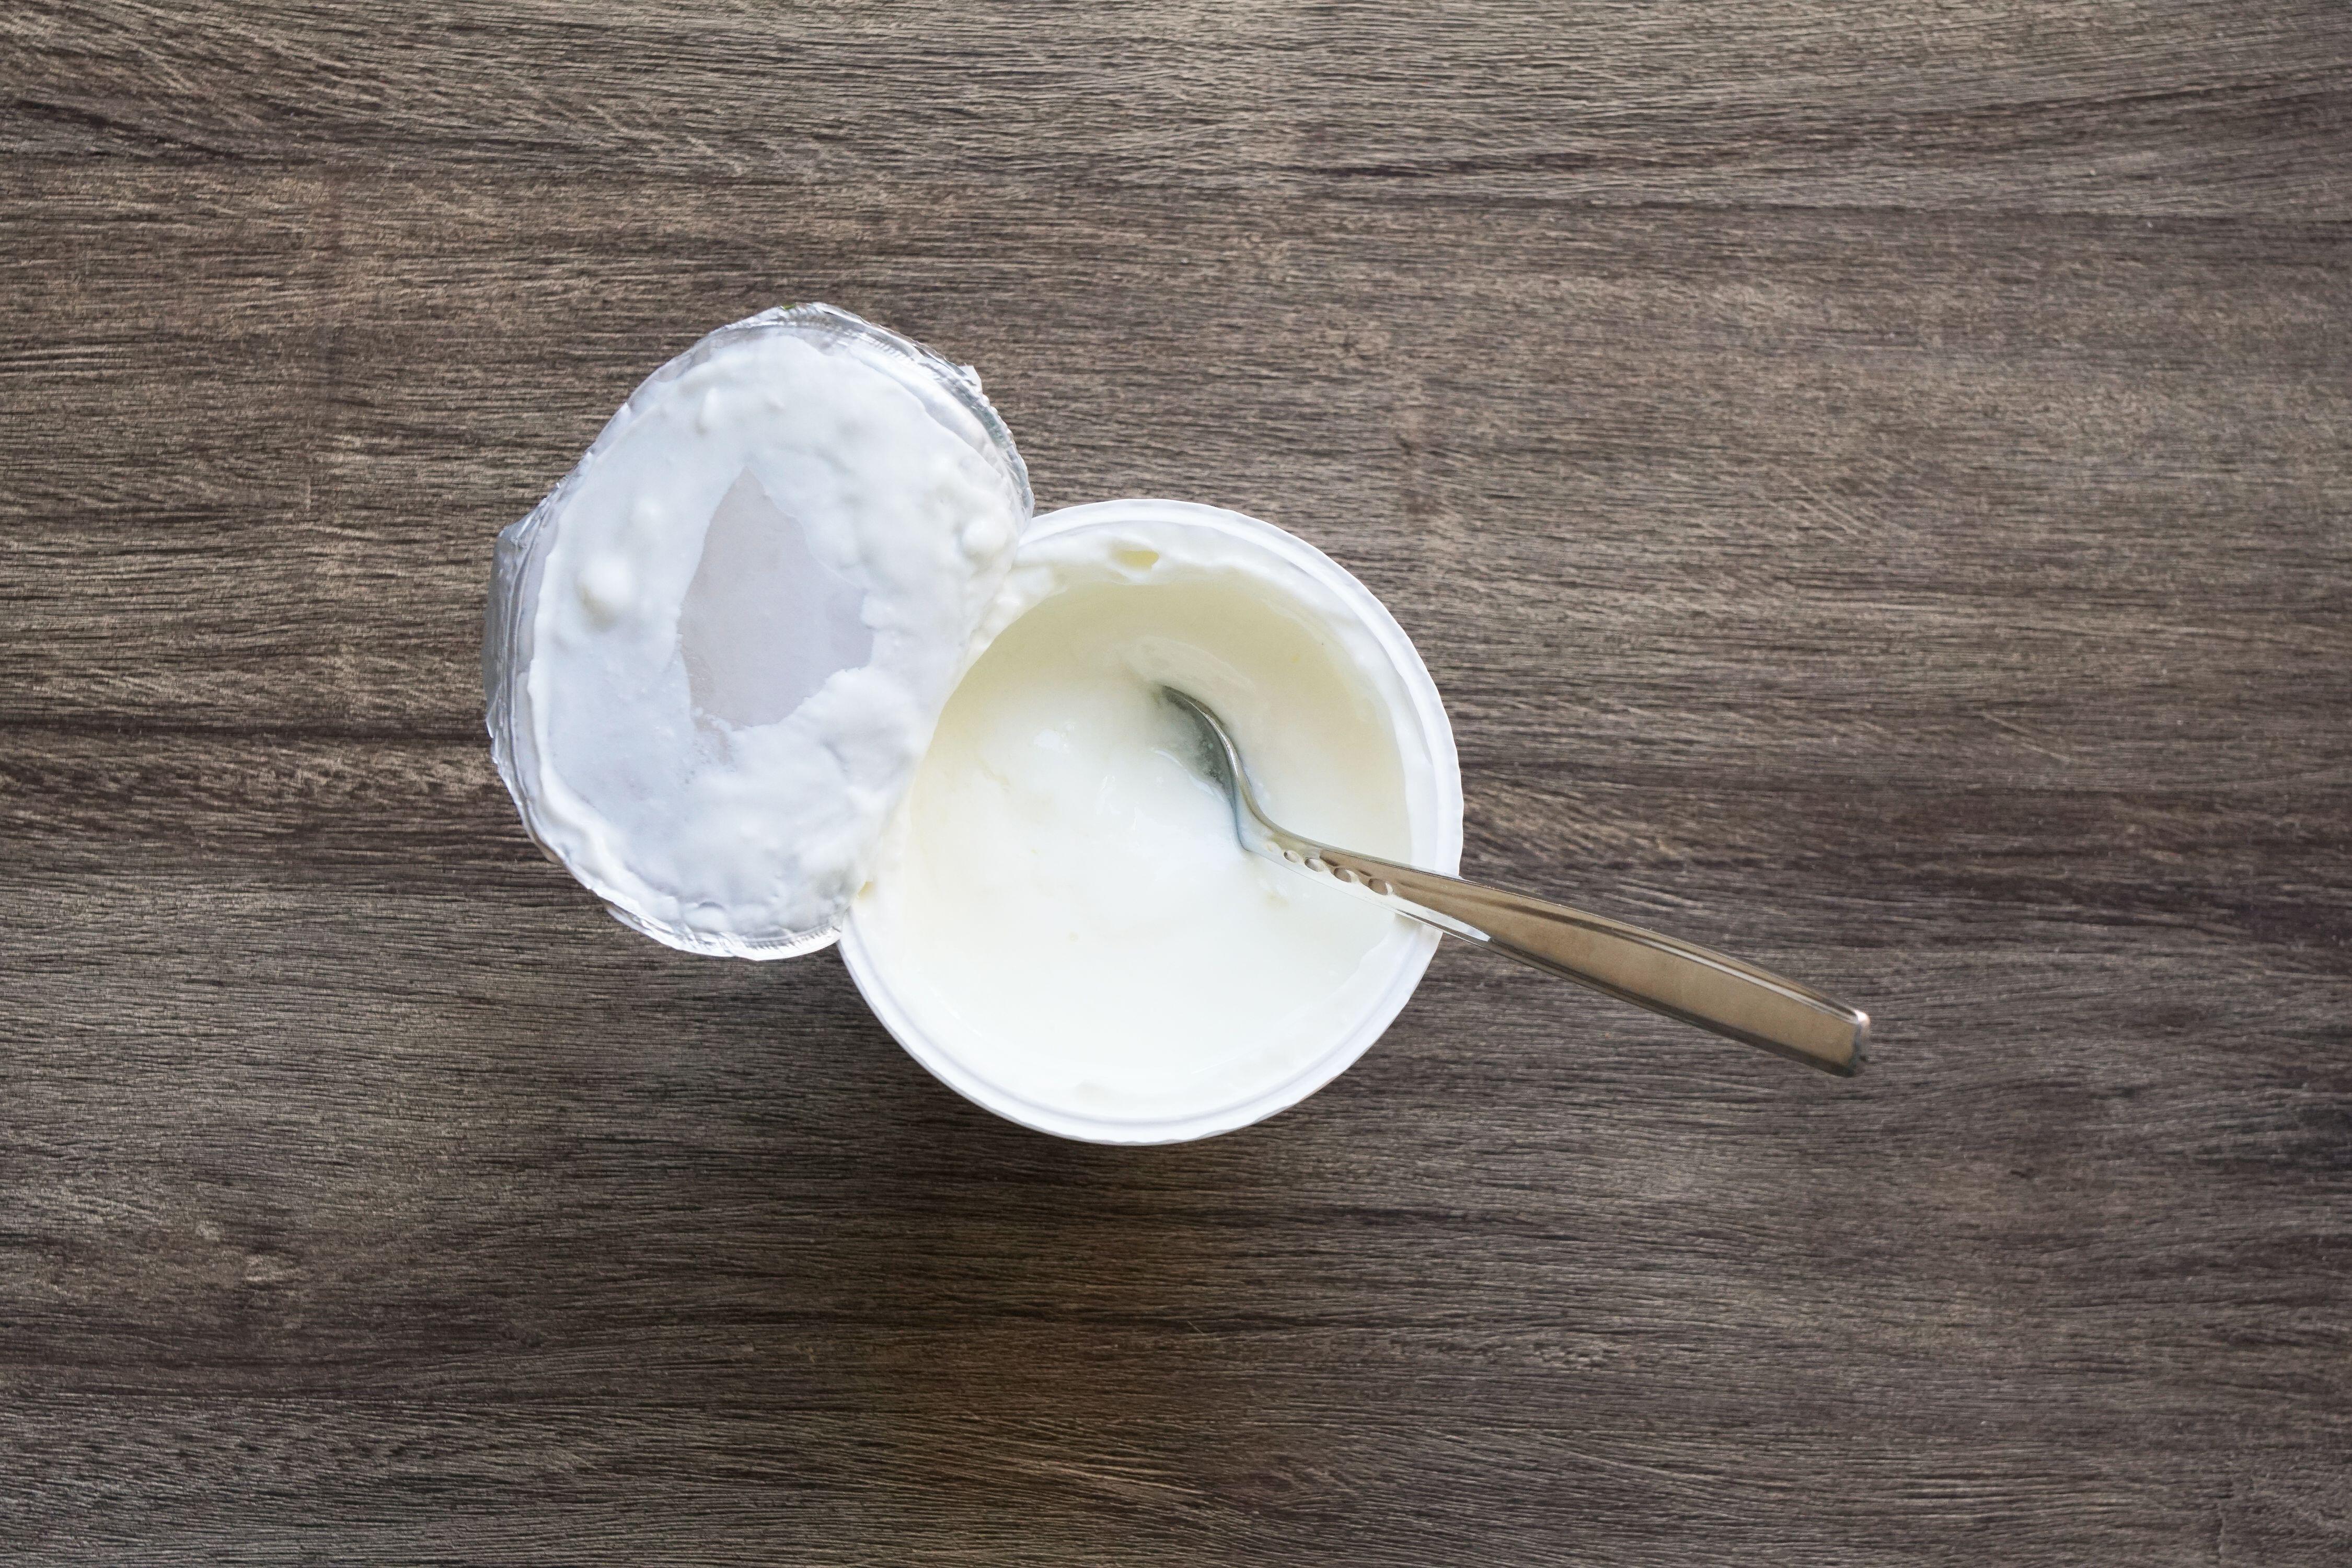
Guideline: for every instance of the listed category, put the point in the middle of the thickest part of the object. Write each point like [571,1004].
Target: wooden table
[1872,481]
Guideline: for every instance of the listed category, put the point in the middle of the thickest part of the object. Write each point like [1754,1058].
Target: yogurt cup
[718,657]
[1432,801]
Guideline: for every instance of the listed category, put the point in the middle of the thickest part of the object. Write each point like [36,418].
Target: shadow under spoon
[1662,973]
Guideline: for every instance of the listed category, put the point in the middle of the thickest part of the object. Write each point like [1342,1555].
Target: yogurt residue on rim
[1061,906]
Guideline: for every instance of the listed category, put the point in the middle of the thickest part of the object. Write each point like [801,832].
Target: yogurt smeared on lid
[718,648]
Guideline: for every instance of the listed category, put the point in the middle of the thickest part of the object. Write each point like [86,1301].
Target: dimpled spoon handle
[1662,973]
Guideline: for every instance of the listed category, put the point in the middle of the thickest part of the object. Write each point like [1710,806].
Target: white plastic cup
[1434,809]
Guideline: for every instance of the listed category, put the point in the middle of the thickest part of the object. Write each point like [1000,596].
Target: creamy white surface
[760,583]
[1061,905]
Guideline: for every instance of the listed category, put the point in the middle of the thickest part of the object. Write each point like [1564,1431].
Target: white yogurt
[1061,923]
[728,631]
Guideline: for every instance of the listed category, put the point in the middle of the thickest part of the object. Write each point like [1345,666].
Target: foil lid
[715,652]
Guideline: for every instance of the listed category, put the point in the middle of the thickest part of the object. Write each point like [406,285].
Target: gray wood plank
[2157,106]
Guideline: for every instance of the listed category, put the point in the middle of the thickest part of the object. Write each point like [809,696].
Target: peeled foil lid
[761,632]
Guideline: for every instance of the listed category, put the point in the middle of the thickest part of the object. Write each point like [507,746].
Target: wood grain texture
[1872,482]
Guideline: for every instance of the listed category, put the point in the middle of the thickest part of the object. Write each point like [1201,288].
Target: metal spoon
[1677,978]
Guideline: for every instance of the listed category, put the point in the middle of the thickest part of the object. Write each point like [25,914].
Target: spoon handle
[1679,979]
[1662,973]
